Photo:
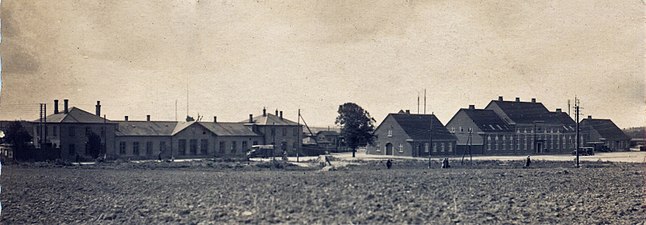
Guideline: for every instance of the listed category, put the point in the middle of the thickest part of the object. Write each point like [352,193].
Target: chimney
[98,108]
[215,119]
[65,105]
[500,98]
[264,111]
[533,100]
[276,112]
[55,106]
[408,111]
[589,117]
[281,115]
[250,118]
[558,109]
[472,107]
[125,118]
[517,99]
[147,117]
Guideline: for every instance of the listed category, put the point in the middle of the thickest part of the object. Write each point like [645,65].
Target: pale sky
[137,57]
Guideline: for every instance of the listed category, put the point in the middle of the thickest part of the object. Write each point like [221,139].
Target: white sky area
[240,56]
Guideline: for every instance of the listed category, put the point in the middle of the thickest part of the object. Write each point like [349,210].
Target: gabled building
[603,133]
[276,130]
[513,127]
[144,139]
[417,135]
[70,129]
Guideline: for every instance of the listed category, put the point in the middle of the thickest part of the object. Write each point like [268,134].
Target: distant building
[68,130]
[603,133]
[513,128]
[417,135]
[276,130]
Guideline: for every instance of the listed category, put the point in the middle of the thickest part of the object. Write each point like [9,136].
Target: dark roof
[487,120]
[327,133]
[270,119]
[564,118]
[229,129]
[146,128]
[525,112]
[606,128]
[74,115]
[417,126]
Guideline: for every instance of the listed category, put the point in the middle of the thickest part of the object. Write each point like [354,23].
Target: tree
[18,136]
[94,145]
[357,126]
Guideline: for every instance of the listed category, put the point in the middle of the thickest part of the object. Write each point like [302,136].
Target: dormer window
[390,133]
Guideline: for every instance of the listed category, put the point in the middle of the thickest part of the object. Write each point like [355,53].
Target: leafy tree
[93,144]
[18,136]
[357,126]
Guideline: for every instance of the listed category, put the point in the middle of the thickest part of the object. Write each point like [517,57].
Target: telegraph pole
[430,144]
[576,111]
[298,137]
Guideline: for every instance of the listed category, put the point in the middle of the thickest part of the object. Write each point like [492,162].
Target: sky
[236,57]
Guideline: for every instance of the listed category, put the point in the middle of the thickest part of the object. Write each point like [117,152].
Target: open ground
[206,192]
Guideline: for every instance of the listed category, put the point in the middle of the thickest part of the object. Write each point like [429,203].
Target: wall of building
[285,137]
[149,147]
[73,139]
[188,142]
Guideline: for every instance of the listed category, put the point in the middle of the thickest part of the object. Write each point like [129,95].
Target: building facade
[603,134]
[416,135]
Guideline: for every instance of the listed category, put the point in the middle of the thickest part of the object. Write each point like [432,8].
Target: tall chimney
[500,98]
[250,118]
[533,100]
[215,119]
[517,99]
[408,111]
[264,111]
[147,117]
[55,106]
[589,117]
[125,118]
[98,108]
[472,107]
[276,112]
[65,105]
[558,109]
[281,115]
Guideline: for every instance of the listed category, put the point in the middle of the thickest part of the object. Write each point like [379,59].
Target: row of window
[437,146]
[525,130]
[503,142]
[284,131]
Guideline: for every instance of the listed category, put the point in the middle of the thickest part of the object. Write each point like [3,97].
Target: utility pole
[424,100]
[430,144]
[298,137]
[576,111]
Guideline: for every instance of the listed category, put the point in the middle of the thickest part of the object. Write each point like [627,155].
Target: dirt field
[488,192]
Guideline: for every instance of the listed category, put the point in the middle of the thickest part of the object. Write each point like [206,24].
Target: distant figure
[527,162]
[389,163]
[285,156]
[445,163]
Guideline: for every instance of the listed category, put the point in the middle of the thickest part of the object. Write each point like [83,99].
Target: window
[284,131]
[122,148]
[504,142]
[181,147]
[193,146]
[390,133]
[88,130]
[442,147]
[450,147]
[149,148]
[273,131]
[234,145]
[452,129]
[497,143]
[72,131]
[401,148]
[295,145]
[434,147]
[426,147]
[378,148]
[135,148]
[222,147]
[294,131]
[204,146]
[461,129]
[489,142]
[244,146]
[71,149]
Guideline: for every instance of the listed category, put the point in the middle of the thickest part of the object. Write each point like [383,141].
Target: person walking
[389,163]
